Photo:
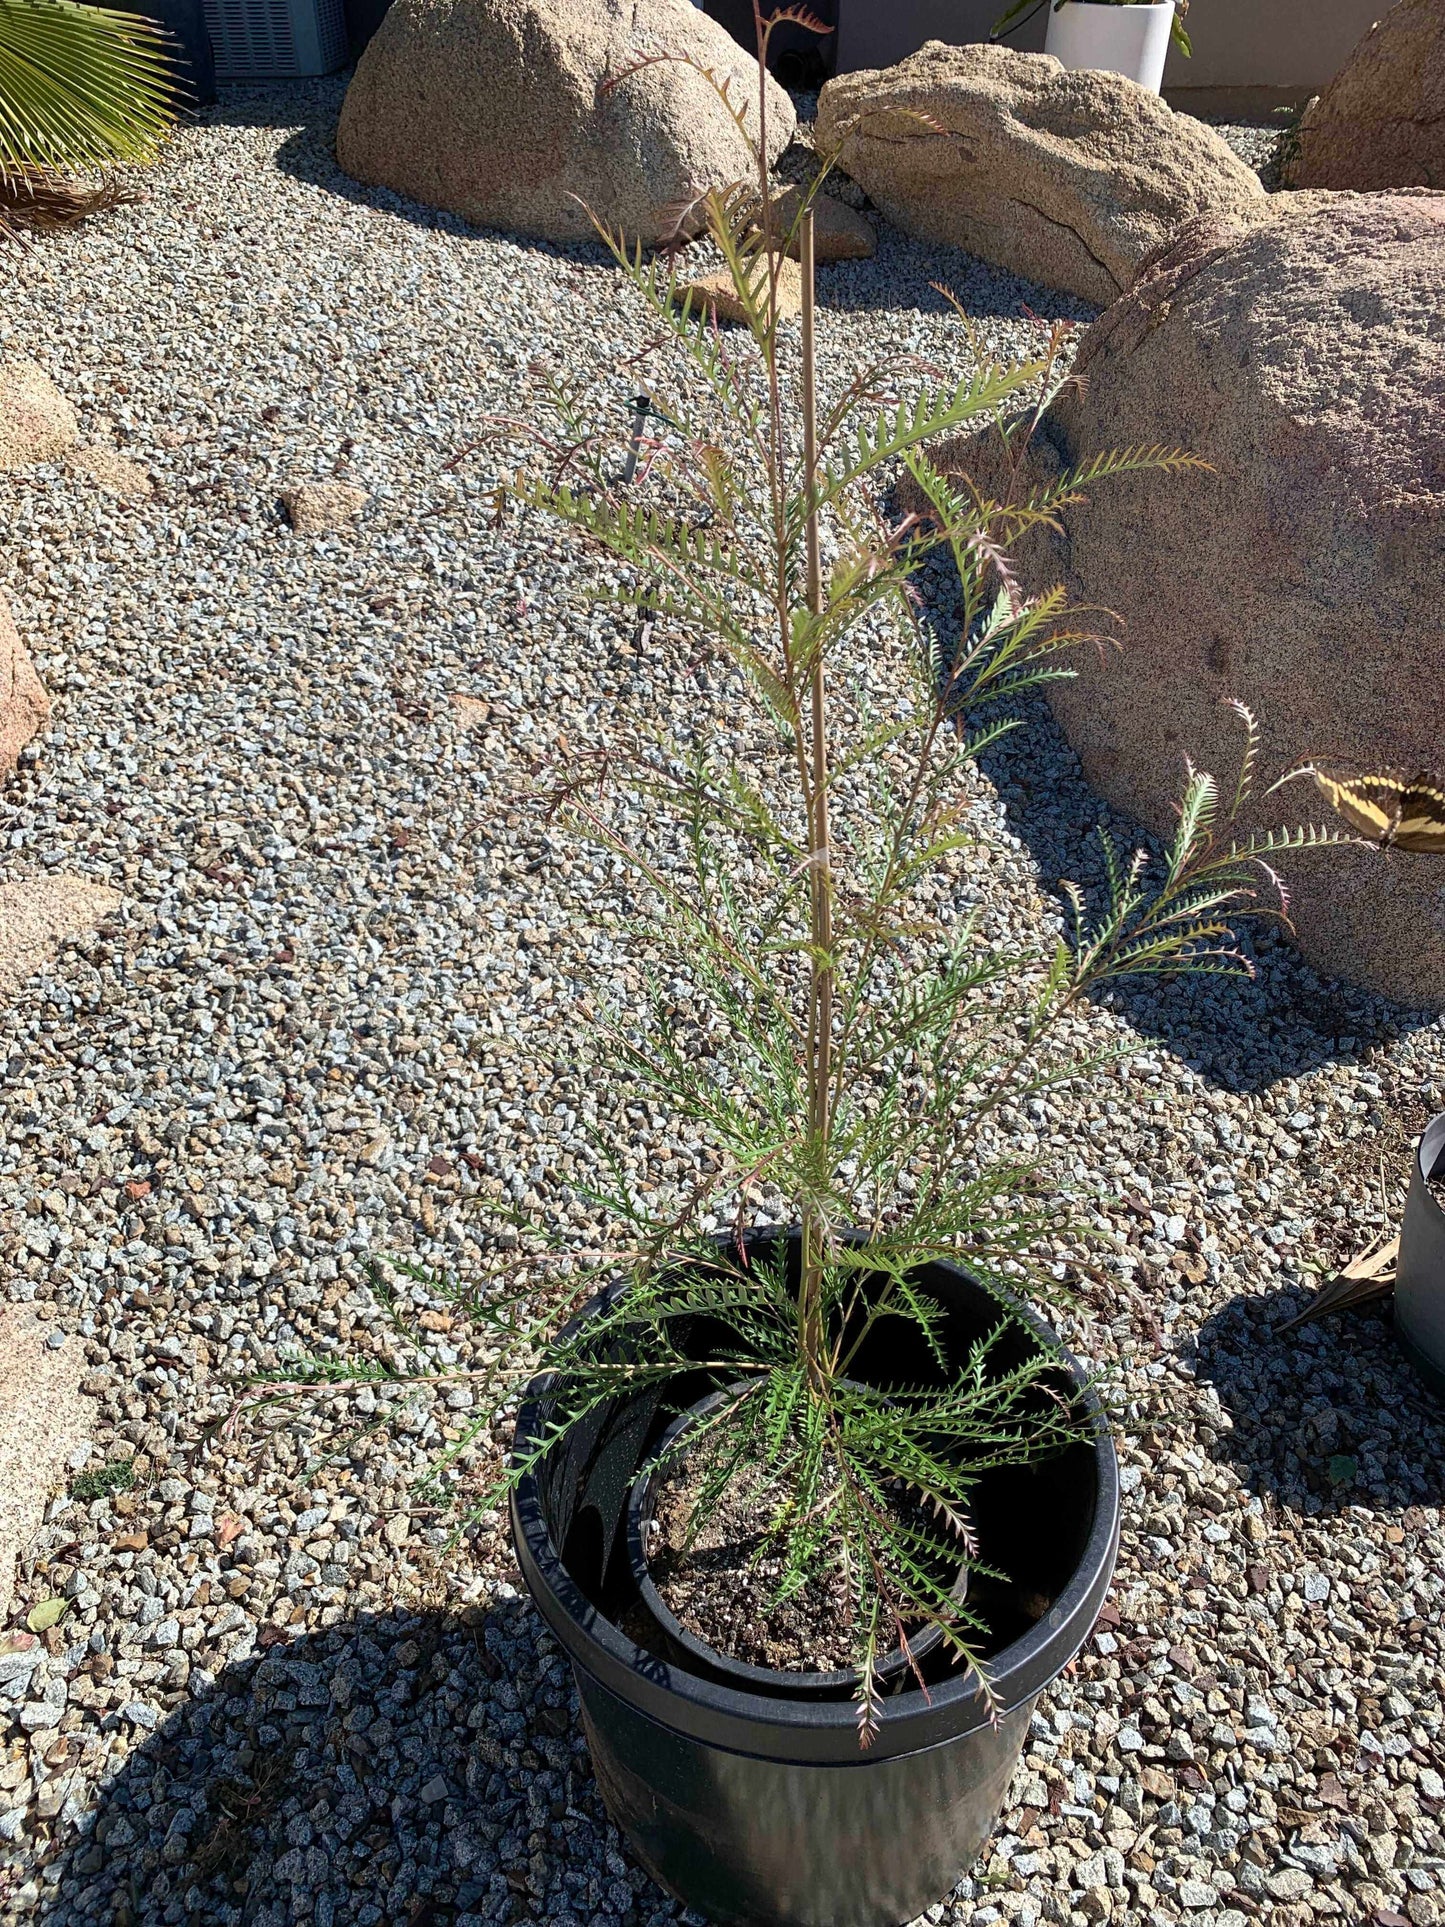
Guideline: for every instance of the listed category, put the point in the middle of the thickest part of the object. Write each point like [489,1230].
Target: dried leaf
[228,1527]
[1370,1276]
[15,1643]
[48,1613]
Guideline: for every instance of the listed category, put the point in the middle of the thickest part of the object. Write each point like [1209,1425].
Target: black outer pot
[759,1809]
[1420,1269]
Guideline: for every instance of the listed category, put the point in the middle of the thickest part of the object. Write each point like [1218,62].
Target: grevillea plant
[821,1023]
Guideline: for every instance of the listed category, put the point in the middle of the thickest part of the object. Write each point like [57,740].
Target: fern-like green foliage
[824,1029]
[81,88]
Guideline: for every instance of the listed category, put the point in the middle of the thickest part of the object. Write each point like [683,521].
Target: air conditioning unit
[276,39]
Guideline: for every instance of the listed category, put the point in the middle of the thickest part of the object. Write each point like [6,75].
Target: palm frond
[81,88]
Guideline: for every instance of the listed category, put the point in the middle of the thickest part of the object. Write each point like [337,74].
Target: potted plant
[1129,37]
[808,1623]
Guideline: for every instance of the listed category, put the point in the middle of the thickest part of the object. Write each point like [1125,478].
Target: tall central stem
[820,1011]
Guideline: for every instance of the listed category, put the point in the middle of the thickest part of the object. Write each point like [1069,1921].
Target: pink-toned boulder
[502,112]
[24,705]
[38,915]
[1303,356]
[1068,178]
[1381,121]
[37,423]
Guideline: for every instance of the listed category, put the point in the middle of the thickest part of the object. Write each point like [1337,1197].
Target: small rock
[839,232]
[317,508]
[115,472]
[717,293]
[1290,1883]
[470,711]
[37,423]
[434,1790]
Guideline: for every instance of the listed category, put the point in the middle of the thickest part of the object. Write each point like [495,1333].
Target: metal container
[276,39]
[1420,1269]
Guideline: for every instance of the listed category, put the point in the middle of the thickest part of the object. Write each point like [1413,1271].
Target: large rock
[1381,120]
[1303,356]
[491,108]
[24,705]
[37,423]
[1068,178]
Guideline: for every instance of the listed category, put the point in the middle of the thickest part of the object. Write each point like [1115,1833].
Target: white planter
[1128,40]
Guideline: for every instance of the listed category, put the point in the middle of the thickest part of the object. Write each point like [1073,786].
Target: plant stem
[819,856]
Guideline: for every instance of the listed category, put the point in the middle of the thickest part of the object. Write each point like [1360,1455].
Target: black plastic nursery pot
[760,1807]
[1420,1270]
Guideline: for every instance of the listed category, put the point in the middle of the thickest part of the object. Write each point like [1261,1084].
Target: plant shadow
[1329,1416]
[392,1767]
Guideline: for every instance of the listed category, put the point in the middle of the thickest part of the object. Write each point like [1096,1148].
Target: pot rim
[1429,1154]
[825,1729]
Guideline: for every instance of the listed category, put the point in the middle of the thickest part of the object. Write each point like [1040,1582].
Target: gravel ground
[1258,143]
[335,1013]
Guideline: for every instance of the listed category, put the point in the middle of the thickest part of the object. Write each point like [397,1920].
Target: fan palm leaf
[80,87]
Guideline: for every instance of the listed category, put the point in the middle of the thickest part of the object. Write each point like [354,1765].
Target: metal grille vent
[276,39]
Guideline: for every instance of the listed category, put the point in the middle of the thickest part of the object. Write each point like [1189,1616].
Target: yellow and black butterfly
[1397,812]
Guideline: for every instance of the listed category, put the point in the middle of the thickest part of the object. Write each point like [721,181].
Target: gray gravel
[336,1013]
[1259,143]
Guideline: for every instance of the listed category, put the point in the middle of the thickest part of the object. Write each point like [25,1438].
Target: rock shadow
[310,110]
[908,277]
[392,1767]
[1239,1033]
[901,277]
[1327,1417]
[1242,1034]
